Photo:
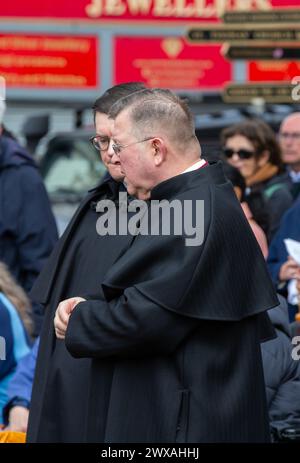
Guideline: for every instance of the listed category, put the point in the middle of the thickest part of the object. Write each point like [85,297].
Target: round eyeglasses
[117,147]
[100,143]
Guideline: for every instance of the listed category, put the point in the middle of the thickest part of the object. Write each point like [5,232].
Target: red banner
[49,61]
[164,10]
[260,71]
[170,62]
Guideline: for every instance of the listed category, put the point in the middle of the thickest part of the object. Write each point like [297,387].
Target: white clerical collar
[195,166]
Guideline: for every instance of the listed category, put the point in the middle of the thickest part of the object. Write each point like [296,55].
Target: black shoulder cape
[225,278]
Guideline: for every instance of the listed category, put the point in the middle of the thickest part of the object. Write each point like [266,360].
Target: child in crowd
[15,330]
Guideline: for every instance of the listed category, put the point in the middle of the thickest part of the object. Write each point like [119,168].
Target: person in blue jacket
[15,328]
[283,267]
[27,226]
[16,410]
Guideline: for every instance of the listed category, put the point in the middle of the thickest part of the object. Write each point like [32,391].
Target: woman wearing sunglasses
[252,148]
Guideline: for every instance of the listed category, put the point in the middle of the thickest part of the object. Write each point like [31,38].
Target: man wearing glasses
[289,137]
[175,337]
[58,407]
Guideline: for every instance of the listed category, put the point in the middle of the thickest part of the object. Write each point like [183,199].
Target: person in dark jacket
[27,226]
[58,409]
[283,268]
[173,329]
[282,373]
[252,148]
[289,138]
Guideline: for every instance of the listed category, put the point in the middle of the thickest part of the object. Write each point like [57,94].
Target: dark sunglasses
[242,153]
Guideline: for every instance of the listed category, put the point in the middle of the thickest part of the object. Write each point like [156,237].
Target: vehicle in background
[70,167]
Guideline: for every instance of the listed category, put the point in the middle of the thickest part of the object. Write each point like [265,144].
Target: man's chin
[131,189]
[116,173]
[138,192]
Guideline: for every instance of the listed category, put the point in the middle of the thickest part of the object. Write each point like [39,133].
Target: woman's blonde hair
[16,296]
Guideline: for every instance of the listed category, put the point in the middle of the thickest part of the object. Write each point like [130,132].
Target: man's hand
[290,269]
[62,315]
[18,419]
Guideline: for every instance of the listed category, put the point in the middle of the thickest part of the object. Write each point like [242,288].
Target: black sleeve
[129,326]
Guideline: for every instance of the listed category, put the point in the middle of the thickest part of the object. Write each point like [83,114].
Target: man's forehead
[292,122]
[102,122]
[121,123]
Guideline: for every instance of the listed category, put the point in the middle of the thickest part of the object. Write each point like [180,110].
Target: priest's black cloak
[174,332]
[58,410]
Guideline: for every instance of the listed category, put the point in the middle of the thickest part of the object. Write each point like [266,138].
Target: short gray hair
[2,110]
[157,109]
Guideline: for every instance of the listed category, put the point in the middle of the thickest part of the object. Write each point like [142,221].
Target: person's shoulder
[292,214]
[213,171]
[25,181]
[4,312]
[277,187]
[20,167]
[204,180]
[13,154]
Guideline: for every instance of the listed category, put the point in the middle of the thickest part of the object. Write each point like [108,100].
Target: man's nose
[288,141]
[115,158]
[110,150]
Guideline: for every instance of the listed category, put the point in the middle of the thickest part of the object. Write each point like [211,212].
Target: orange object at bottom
[11,437]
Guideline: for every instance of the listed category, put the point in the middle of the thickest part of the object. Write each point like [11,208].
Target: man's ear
[159,151]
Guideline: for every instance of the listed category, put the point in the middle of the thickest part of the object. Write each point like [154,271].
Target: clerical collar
[182,182]
[295,176]
[195,166]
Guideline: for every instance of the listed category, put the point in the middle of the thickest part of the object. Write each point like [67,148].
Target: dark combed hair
[260,135]
[115,93]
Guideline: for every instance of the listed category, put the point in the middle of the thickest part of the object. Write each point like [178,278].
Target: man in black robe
[174,333]
[58,406]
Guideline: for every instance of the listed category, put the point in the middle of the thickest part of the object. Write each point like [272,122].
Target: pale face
[104,127]
[136,160]
[247,167]
[289,137]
